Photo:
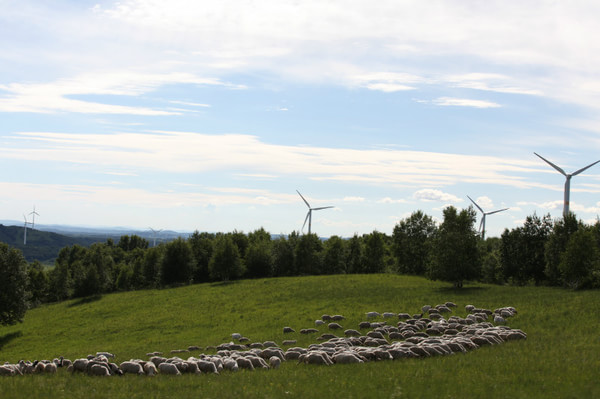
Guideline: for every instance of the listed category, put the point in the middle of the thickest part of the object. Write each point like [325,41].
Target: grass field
[559,359]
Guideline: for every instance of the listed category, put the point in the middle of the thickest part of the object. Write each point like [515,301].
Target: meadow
[559,359]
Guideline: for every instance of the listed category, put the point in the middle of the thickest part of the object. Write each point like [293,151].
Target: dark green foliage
[151,266]
[37,283]
[354,257]
[334,256]
[259,258]
[202,247]
[13,285]
[556,245]
[226,263]
[523,250]
[283,257]
[412,242]
[241,240]
[374,255]
[455,255]
[177,266]
[580,259]
[491,267]
[127,243]
[308,254]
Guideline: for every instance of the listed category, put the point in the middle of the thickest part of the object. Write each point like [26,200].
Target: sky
[189,115]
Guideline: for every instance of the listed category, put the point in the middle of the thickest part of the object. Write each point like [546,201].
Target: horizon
[209,117]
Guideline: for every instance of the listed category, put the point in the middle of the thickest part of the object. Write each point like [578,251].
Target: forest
[562,252]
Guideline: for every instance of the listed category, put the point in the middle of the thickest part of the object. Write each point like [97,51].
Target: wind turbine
[482,224]
[33,220]
[567,181]
[155,232]
[309,214]
[25,230]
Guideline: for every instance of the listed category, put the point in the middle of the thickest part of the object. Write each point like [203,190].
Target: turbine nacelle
[484,214]
[309,213]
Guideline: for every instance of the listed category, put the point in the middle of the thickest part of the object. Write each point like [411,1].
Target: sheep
[131,368]
[326,317]
[288,330]
[7,371]
[100,370]
[346,358]
[499,319]
[244,363]
[168,368]
[207,367]
[337,317]
[193,348]
[371,315]
[364,324]
[334,326]
[389,314]
[50,368]
[319,322]
[403,316]
[230,364]
[258,362]
[269,344]
[80,365]
[274,362]
[288,342]
[351,333]
[108,355]
[469,308]
[150,369]
[236,336]
[309,331]
[270,352]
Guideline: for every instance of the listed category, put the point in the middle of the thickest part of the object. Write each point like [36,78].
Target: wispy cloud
[464,102]
[436,195]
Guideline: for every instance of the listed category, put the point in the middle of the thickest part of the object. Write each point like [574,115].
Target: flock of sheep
[433,332]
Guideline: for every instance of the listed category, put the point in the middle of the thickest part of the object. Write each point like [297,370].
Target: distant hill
[41,245]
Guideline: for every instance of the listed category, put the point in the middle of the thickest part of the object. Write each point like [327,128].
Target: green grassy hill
[559,359]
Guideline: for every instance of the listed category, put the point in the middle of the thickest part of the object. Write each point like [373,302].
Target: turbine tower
[309,214]
[25,230]
[567,180]
[154,233]
[33,220]
[482,224]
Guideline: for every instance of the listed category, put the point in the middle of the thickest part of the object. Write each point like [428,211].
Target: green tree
[13,285]
[374,255]
[177,265]
[455,255]
[580,259]
[308,254]
[151,266]
[283,257]
[412,242]
[38,283]
[202,246]
[259,259]
[226,263]
[354,255]
[334,256]
[491,267]
[556,244]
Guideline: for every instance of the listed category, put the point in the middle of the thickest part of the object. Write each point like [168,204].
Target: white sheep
[132,368]
[168,368]
[99,370]
[274,362]
[150,369]
[319,322]
[288,330]
[389,314]
[236,336]
[371,315]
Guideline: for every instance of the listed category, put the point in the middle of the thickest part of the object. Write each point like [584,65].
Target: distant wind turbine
[484,214]
[567,180]
[155,232]
[33,220]
[309,214]
[25,230]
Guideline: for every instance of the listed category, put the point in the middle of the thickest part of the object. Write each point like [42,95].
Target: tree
[38,283]
[226,263]
[455,255]
[177,265]
[556,244]
[411,243]
[491,267]
[259,259]
[13,285]
[202,247]
[374,255]
[580,259]
[308,254]
[151,266]
[354,257]
[334,257]
[283,257]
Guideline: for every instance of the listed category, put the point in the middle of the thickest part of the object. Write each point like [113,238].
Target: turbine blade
[475,203]
[562,172]
[499,210]
[582,169]
[480,224]
[304,199]
[305,220]
[323,207]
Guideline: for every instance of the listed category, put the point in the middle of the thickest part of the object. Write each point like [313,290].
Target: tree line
[564,252]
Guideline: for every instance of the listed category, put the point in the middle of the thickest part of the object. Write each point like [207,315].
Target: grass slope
[560,358]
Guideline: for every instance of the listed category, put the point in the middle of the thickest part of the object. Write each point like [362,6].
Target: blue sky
[210,115]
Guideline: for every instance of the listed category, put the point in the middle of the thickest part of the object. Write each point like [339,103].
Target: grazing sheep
[337,317]
[425,308]
[450,304]
[168,368]
[131,368]
[274,362]
[269,344]
[244,363]
[326,317]
[403,316]
[236,336]
[371,315]
[469,308]
[334,326]
[309,331]
[192,368]
[80,365]
[389,314]
[351,333]
[50,368]
[244,339]
[99,370]
[193,348]
[288,330]
[288,342]
[207,367]
[499,319]
[150,369]
[230,364]
[7,371]
[319,322]
[346,358]
[108,355]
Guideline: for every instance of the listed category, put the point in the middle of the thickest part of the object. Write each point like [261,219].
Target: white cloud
[464,102]
[353,199]
[194,152]
[435,195]
[389,200]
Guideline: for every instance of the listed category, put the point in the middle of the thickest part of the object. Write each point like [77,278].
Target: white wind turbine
[567,180]
[155,233]
[25,229]
[33,220]
[484,214]
[309,214]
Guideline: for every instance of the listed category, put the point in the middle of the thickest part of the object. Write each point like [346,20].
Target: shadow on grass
[223,283]
[87,299]
[5,339]
[463,290]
